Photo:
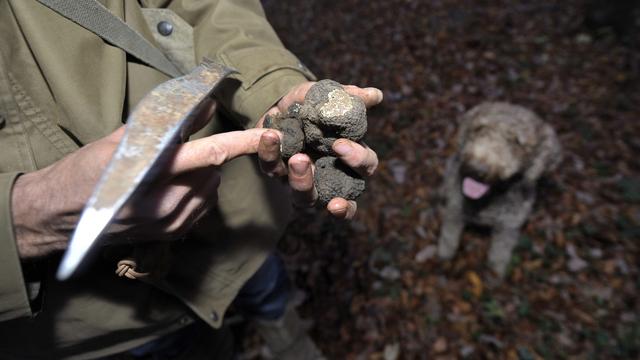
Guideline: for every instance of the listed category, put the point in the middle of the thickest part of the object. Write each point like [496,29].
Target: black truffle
[329,113]
[291,128]
[334,179]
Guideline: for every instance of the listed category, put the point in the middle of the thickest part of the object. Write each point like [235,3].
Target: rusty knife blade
[157,123]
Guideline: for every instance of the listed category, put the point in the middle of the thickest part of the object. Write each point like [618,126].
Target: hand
[300,167]
[46,204]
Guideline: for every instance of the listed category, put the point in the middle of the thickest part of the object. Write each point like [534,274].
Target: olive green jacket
[61,87]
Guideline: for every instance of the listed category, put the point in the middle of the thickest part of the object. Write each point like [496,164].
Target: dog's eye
[520,139]
[480,129]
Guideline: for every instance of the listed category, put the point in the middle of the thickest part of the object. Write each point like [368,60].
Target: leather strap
[93,16]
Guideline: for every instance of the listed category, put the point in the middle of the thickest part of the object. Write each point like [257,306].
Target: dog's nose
[480,169]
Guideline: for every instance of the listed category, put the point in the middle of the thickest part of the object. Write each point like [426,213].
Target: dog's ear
[547,154]
[461,135]
[464,123]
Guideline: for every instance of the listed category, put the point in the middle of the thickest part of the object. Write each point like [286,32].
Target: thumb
[215,150]
[296,95]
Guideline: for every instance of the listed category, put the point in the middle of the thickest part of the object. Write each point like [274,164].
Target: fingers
[269,155]
[116,136]
[342,209]
[359,157]
[271,112]
[371,96]
[216,150]
[202,195]
[170,209]
[295,95]
[301,181]
[300,169]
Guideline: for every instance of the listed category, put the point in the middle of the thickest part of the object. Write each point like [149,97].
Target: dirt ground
[376,289]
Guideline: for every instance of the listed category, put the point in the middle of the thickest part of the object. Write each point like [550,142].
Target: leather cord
[127,268]
[147,262]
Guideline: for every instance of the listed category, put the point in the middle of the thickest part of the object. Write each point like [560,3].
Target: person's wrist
[35,236]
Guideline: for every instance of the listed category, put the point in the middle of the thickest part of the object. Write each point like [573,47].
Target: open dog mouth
[474,189]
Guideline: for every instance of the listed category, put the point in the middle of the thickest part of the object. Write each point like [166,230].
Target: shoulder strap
[96,18]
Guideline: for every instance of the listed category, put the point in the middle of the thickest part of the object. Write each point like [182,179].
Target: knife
[163,118]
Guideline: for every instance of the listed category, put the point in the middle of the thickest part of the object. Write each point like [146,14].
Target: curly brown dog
[503,149]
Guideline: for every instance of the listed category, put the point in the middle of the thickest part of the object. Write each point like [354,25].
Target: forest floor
[375,288]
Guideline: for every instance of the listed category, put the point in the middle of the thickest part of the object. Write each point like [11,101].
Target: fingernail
[337,209]
[377,94]
[273,136]
[268,139]
[299,168]
[342,148]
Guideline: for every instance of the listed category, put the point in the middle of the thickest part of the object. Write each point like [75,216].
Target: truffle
[329,113]
[291,128]
[334,179]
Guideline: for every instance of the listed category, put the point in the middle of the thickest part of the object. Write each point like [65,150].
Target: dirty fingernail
[275,135]
[299,168]
[342,148]
[270,138]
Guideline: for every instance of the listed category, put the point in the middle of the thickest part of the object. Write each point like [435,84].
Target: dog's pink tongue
[474,189]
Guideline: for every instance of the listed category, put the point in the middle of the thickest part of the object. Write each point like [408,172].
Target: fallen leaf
[390,273]
[391,351]
[476,283]
[440,345]
[426,253]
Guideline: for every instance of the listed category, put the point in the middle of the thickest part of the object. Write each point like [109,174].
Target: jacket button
[165,28]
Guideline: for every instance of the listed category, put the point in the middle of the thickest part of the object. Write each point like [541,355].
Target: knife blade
[161,120]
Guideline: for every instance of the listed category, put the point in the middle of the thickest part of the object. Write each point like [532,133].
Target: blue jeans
[266,293]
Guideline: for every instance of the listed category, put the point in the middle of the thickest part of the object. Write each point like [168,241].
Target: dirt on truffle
[291,128]
[319,140]
[334,179]
[329,113]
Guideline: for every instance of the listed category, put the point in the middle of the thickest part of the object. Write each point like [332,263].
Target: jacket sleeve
[237,33]
[14,301]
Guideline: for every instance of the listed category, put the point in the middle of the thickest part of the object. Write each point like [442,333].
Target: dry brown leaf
[475,282]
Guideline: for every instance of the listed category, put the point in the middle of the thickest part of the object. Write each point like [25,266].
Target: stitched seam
[263,85]
[16,128]
[252,77]
[35,115]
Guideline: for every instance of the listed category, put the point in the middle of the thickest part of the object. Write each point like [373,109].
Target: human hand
[300,168]
[46,204]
